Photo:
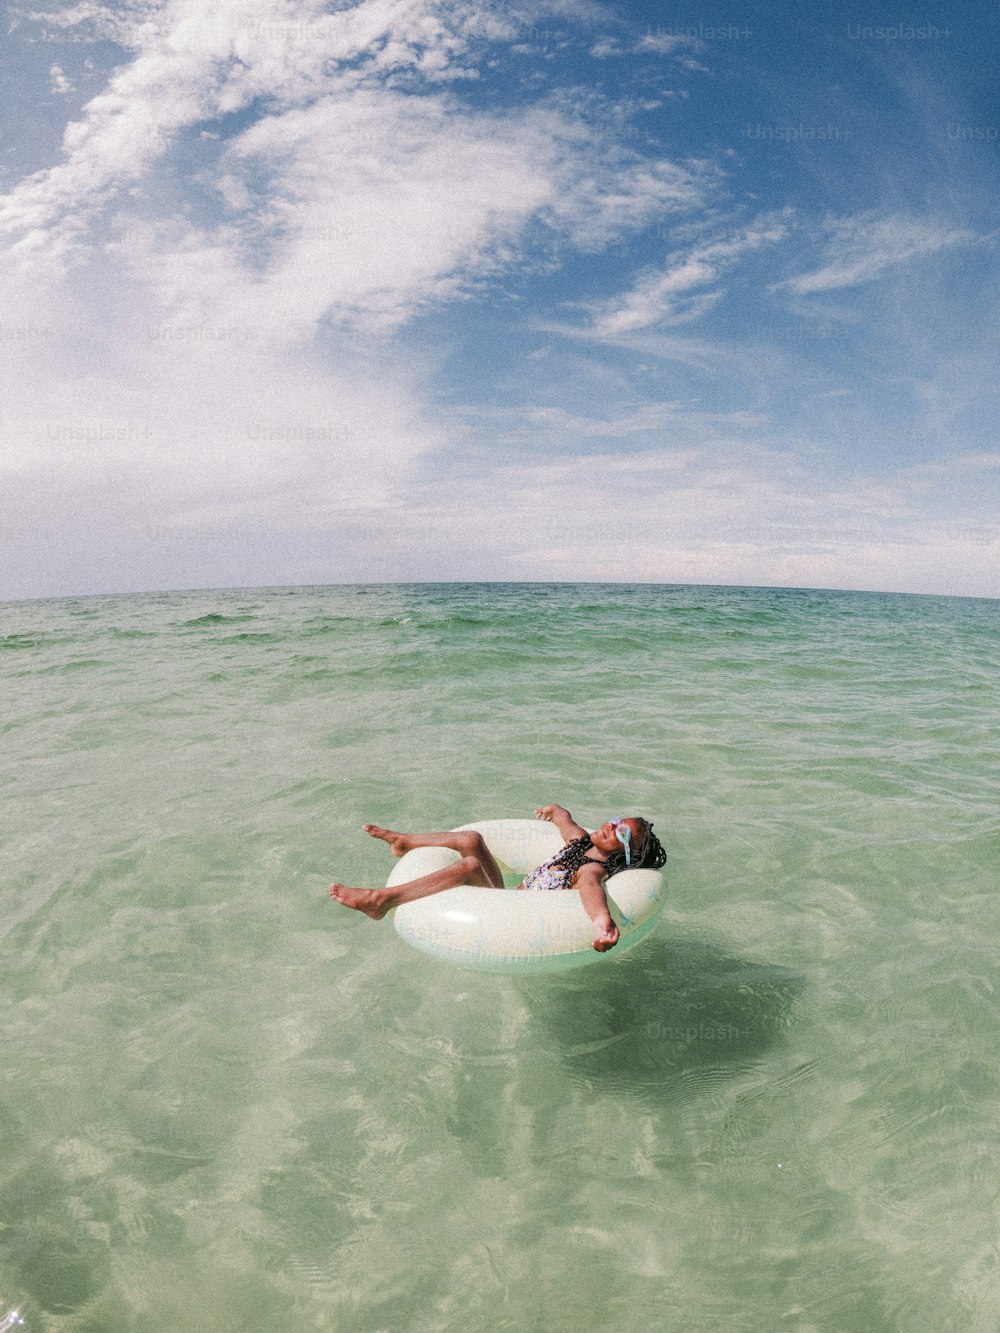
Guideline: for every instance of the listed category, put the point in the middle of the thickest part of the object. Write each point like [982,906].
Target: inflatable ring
[529,932]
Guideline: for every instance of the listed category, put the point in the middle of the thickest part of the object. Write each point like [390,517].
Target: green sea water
[229,1104]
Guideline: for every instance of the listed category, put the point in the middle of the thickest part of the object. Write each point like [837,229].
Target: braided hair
[649,855]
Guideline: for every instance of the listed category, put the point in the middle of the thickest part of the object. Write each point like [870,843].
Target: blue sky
[401,290]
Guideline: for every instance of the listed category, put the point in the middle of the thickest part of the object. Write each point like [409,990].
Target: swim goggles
[624,835]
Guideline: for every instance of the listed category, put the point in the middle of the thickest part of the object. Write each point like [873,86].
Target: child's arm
[563,821]
[590,885]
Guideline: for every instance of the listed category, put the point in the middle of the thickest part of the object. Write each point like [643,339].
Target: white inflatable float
[506,931]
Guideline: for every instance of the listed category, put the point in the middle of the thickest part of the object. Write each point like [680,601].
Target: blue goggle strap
[624,835]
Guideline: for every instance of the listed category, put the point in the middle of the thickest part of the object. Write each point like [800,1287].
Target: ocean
[228,1104]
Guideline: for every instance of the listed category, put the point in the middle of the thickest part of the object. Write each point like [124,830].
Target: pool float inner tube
[496,930]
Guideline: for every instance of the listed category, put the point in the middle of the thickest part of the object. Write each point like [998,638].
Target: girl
[584,863]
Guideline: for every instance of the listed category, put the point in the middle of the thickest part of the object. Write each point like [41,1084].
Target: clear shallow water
[227,1104]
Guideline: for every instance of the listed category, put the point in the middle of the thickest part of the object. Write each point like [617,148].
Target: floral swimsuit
[551,876]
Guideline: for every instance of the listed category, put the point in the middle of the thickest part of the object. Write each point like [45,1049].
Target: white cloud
[374,205]
[573,426]
[363,208]
[676,292]
[607,48]
[660,43]
[203,300]
[59,84]
[136,450]
[989,462]
[207,376]
[375,201]
[664,43]
[861,249]
[195,63]
[727,513]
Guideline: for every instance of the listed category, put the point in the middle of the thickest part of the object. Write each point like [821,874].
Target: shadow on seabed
[667,1020]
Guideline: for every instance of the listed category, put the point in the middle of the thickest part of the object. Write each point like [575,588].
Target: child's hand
[545,812]
[606,938]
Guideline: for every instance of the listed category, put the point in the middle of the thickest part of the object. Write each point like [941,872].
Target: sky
[295,292]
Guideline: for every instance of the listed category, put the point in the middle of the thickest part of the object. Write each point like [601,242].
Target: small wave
[213,618]
[19,641]
[328,624]
[59,668]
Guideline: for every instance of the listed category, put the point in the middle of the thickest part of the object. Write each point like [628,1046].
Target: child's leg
[465,842]
[377,902]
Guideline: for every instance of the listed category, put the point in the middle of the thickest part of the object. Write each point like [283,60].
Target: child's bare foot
[606,937]
[373,902]
[399,843]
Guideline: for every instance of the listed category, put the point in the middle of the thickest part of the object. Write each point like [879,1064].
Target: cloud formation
[685,288]
[373,290]
[861,249]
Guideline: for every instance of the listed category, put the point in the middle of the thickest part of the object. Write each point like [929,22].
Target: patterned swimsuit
[550,876]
